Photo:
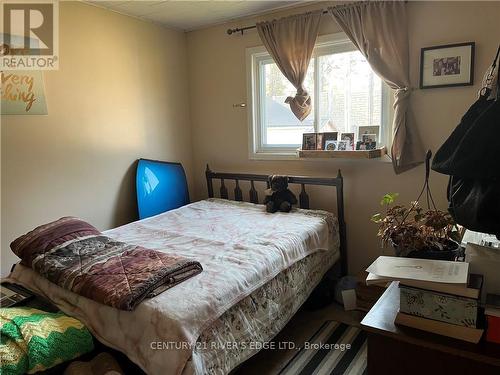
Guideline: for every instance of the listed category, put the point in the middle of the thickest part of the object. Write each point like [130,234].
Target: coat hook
[239,105]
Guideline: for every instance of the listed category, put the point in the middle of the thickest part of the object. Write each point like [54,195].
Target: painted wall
[220,134]
[120,94]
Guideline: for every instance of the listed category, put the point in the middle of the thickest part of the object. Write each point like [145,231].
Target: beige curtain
[379,30]
[290,41]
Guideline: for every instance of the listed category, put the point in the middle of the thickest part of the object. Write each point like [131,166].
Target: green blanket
[32,340]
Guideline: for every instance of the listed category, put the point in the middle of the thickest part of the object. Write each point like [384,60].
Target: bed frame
[253,196]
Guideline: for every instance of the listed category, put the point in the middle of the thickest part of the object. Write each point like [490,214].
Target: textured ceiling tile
[138,8]
[189,15]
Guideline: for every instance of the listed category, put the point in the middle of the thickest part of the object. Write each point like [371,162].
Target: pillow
[49,236]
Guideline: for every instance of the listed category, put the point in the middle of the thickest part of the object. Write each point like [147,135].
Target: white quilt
[240,246]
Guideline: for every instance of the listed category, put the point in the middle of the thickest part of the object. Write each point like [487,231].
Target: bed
[259,268]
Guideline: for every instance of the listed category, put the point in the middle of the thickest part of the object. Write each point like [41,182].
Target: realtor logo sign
[30,35]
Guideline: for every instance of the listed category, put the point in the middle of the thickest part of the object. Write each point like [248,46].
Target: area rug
[336,348]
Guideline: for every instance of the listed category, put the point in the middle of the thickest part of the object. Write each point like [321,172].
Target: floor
[302,326]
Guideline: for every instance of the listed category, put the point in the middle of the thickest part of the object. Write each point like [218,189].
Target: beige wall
[120,94]
[220,135]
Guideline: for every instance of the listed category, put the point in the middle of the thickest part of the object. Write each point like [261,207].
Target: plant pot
[450,252]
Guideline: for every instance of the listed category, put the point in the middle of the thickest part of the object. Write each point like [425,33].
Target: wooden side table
[399,350]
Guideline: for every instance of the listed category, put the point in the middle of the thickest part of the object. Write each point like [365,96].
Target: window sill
[342,154]
[270,156]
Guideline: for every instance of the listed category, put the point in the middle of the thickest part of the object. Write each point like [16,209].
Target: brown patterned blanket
[76,256]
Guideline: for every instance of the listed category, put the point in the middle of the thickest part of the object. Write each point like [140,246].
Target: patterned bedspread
[76,256]
[240,247]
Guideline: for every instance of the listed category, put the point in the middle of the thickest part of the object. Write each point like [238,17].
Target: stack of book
[436,296]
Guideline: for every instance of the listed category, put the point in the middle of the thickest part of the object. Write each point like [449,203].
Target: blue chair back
[161,187]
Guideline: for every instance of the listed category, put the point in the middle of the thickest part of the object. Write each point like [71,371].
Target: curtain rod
[242,29]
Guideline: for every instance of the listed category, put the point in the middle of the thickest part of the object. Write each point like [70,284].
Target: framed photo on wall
[447,66]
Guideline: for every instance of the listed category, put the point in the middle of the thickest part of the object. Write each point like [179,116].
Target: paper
[485,261]
[372,278]
[438,271]
[349,299]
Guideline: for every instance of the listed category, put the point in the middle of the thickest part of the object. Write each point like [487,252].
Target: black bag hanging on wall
[471,157]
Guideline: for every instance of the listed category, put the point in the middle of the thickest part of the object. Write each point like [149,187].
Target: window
[347,96]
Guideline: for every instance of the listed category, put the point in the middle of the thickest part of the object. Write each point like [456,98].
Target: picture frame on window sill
[309,141]
[320,141]
[349,138]
[447,65]
[330,136]
[330,145]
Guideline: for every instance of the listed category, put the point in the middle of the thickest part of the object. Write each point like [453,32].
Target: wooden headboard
[336,182]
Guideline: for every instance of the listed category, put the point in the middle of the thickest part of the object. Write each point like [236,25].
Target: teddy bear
[278,196]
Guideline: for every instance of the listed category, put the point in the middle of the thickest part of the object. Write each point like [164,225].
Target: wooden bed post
[210,186]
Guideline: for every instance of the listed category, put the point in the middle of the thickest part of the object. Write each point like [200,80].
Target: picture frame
[309,141]
[367,142]
[326,136]
[448,65]
[320,141]
[331,145]
[330,136]
[360,146]
[343,145]
[369,138]
[349,139]
[370,141]
[372,129]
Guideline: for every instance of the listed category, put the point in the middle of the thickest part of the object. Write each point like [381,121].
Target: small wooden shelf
[347,154]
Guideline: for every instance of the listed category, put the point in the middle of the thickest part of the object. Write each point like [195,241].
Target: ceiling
[190,15]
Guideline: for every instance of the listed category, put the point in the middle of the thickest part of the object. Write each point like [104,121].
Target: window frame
[258,56]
